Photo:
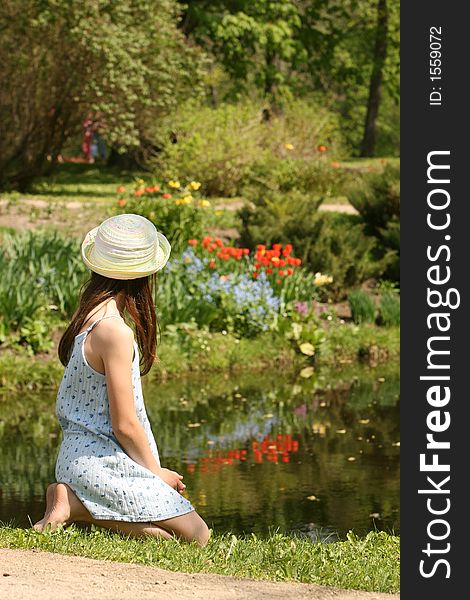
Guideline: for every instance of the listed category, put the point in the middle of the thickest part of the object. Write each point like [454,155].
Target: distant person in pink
[87,127]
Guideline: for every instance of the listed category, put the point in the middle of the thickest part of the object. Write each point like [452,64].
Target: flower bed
[233,289]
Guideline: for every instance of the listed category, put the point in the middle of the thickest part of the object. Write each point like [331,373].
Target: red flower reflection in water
[273,449]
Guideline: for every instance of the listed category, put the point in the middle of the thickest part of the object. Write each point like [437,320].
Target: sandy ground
[29,213]
[26,574]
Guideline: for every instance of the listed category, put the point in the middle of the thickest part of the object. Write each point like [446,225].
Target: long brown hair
[139,304]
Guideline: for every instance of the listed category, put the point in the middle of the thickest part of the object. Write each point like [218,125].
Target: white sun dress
[110,484]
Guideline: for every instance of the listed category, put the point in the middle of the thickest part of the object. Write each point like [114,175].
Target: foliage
[367,342]
[339,38]
[177,210]
[377,198]
[252,41]
[187,349]
[130,64]
[305,336]
[343,250]
[41,273]
[362,307]
[390,308]
[230,147]
[333,244]
[226,288]
[287,49]
[313,178]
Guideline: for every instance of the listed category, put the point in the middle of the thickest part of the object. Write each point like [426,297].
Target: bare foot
[65,508]
[49,500]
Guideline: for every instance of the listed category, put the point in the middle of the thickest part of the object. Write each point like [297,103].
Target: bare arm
[114,343]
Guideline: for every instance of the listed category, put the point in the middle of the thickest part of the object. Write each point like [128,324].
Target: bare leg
[63,507]
[136,530]
[189,527]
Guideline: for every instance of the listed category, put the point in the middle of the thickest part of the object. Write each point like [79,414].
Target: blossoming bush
[232,145]
[229,288]
[177,209]
[329,242]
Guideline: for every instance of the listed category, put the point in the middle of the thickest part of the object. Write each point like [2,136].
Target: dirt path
[26,574]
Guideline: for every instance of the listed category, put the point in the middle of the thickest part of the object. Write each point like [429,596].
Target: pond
[258,452]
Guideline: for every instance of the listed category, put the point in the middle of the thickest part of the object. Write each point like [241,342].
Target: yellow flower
[204,203]
[187,199]
[194,185]
[289,146]
[174,184]
[140,182]
[322,279]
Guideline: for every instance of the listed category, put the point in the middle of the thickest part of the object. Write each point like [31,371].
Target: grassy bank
[195,351]
[370,563]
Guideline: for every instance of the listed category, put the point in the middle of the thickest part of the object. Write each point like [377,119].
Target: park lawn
[370,563]
[98,184]
[77,183]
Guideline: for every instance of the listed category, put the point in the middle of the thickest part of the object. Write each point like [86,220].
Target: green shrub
[362,307]
[377,199]
[176,210]
[38,268]
[313,177]
[344,251]
[332,244]
[230,147]
[390,308]
[282,218]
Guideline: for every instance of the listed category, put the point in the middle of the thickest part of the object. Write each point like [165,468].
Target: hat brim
[156,264]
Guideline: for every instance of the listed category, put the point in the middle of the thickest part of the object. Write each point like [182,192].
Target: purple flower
[301,308]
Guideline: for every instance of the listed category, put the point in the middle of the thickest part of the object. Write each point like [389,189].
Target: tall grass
[390,308]
[362,307]
[38,269]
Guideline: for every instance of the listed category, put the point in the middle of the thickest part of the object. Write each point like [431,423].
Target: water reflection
[257,452]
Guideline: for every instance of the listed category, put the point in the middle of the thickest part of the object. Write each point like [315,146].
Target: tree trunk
[380,54]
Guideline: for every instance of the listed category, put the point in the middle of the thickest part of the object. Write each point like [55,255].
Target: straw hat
[125,246]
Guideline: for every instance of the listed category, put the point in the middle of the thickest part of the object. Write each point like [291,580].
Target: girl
[108,468]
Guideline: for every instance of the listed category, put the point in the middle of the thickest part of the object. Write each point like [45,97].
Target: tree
[340,38]
[254,40]
[299,47]
[380,55]
[125,59]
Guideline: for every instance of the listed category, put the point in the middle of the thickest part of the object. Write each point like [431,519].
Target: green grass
[370,563]
[348,343]
[366,163]
[97,184]
[79,183]
[203,352]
